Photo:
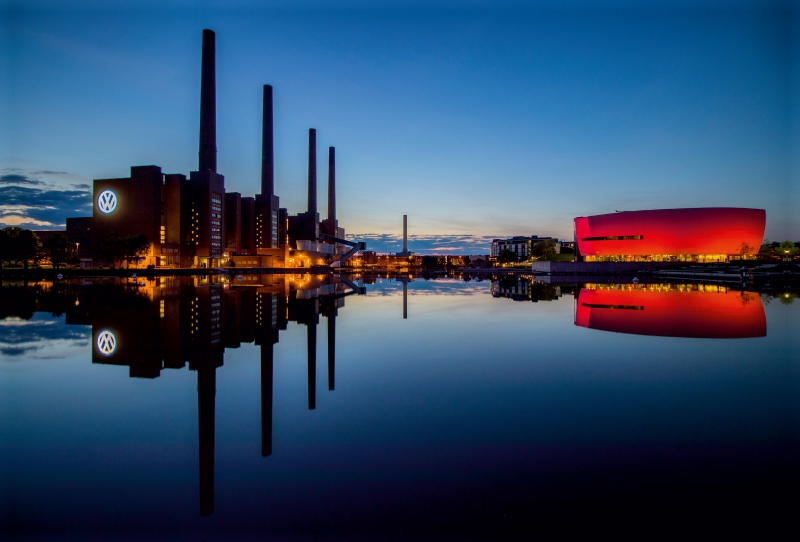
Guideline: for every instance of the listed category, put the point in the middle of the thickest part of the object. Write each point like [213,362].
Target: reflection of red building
[699,311]
[703,234]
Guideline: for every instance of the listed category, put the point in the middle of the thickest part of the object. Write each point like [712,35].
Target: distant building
[519,245]
[79,233]
[477,260]
[711,234]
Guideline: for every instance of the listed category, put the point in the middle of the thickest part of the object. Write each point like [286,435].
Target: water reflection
[164,323]
[522,288]
[671,310]
[475,409]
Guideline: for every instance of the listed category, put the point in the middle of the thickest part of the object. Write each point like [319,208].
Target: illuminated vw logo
[106,342]
[107,202]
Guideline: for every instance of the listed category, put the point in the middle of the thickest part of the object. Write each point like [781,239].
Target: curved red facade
[672,312]
[671,232]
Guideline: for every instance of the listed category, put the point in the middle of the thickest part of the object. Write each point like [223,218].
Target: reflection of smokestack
[208,105]
[405,233]
[312,170]
[331,350]
[267,164]
[312,366]
[332,184]
[405,301]
[206,391]
[266,399]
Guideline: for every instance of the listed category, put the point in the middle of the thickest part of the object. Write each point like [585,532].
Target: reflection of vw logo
[107,202]
[106,342]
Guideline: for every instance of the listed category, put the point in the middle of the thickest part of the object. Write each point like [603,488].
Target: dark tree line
[19,246]
[784,251]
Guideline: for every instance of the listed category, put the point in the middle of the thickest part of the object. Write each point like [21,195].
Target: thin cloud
[17,179]
[426,244]
[23,339]
[30,201]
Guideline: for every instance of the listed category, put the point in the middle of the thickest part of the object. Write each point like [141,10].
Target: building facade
[194,223]
[707,234]
[519,245]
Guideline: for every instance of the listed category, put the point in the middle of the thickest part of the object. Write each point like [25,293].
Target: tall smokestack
[312,170]
[405,233]
[267,163]
[208,105]
[332,184]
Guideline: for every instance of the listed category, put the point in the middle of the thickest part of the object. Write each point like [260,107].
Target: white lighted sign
[106,342]
[107,202]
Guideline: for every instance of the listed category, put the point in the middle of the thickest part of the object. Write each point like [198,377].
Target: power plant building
[194,223]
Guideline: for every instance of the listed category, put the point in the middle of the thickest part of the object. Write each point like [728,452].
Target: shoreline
[567,271]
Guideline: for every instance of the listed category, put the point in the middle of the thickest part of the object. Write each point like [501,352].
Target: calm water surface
[297,407]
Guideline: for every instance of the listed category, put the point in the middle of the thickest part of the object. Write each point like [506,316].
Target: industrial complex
[194,222]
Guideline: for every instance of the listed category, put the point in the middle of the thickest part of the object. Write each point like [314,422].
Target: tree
[544,250]
[30,248]
[766,252]
[134,246]
[5,246]
[507,256]
[111,248]
[745,249]
[21,246]
[56,248]
[467,261]
[787,250]
[543,292]
[430,261]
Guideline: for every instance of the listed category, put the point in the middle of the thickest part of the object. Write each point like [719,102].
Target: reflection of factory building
[194,222]
[167,322]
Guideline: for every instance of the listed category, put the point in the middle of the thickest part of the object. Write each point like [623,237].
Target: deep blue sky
[475,121]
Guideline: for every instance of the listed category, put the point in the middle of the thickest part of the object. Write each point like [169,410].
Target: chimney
[312,170]
[405,233]
[267,163]
[332,184]
[208,105]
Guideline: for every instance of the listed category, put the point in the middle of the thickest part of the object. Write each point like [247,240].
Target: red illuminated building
[705,234]
[685,310]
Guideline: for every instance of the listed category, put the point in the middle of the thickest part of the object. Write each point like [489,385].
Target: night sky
[476,120]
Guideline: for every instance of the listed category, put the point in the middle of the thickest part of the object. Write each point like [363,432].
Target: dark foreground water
[303,409]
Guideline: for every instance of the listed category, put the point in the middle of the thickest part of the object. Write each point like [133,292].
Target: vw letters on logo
[106,342]
[107,202]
